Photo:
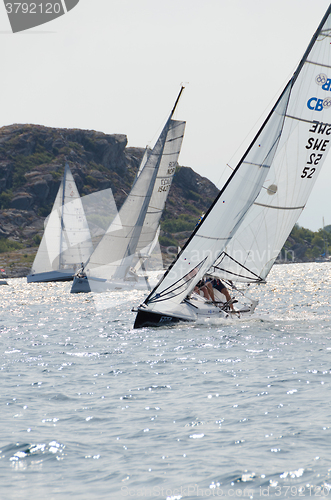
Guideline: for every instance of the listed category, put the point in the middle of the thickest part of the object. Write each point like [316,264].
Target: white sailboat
[66,242]
[244,230]
[132,236]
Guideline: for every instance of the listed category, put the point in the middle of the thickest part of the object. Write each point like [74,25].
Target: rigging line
[161,297]
[197,267]
[279,208]
[236,262]
[257,280]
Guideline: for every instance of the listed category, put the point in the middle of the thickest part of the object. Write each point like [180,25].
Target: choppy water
[92,409]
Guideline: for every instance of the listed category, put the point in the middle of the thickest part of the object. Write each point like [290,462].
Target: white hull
[51,276]
[191,310]
[99,285]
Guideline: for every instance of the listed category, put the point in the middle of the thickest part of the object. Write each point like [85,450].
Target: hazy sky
[116,66]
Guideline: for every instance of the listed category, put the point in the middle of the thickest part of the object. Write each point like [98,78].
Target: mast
[177,101]
[62,209]
[140,221]
[311,44]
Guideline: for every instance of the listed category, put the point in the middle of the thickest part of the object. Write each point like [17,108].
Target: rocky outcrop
[32,161]
[22,201]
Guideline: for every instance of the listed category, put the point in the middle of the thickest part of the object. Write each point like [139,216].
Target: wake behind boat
[244,230]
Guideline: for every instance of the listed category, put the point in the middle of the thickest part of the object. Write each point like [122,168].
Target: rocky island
[32,159]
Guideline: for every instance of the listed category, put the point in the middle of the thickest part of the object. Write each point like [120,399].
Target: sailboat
[244,230]
[66,241]
[131,237]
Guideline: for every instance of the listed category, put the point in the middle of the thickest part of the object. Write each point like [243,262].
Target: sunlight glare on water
[91,408]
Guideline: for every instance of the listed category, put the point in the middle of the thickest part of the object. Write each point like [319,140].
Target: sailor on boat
[207,286]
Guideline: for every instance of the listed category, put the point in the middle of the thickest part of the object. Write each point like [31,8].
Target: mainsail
[133,231]
[66,242]
[274,176]
[301,152]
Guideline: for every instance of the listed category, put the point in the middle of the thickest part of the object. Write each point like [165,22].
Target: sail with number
[132,233]
[248,223]
[302,150]
[66,242]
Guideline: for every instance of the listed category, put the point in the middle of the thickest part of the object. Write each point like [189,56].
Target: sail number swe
[314,158]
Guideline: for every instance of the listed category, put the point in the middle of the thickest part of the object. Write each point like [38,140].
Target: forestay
[302,149]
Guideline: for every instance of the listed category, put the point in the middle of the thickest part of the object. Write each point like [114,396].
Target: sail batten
[279,208]
[300,119]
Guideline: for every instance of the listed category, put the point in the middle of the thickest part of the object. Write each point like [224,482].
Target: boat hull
[191,310]
[148,318]
[98,285]
[51,276]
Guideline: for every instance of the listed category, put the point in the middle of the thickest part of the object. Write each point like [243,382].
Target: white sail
[143,160]
[66,242]
[277,160]
[134,230]
[302,150]
[165,174]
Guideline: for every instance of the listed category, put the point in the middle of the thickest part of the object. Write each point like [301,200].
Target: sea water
[92,409]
